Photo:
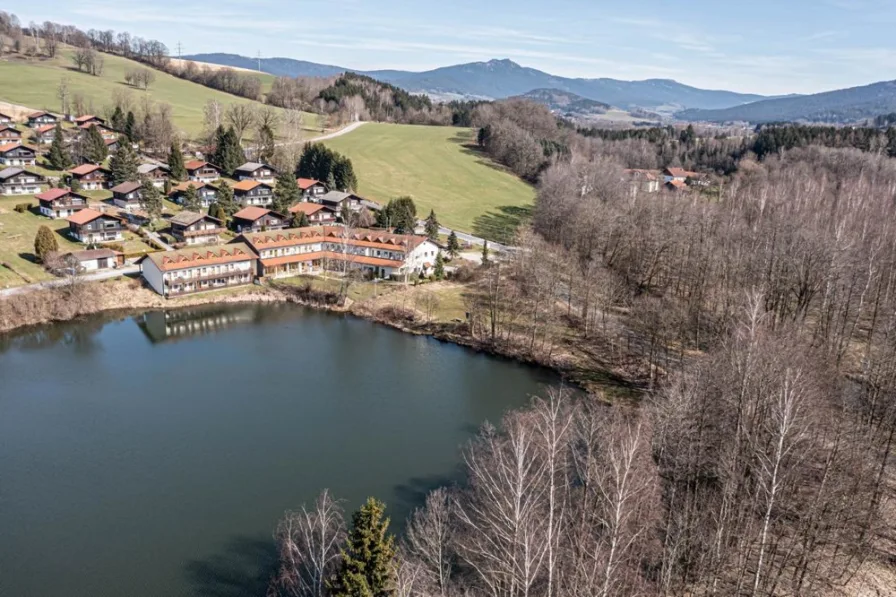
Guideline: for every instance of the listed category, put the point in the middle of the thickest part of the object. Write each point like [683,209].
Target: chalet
[43,135]
[316,213]
[112,145]
[90,176]
[644,181]
[680,174]
[196,229]
[6,118]
[9,133]
[252,192]
[105,132]
[127,195]
[91,226]
[312,249]
[336,199]
[88,119]
[199,171]
[16,154]
[39,119]
[207,193]
[61,203]
[254,219]
[91,260]
[185,271]
[18,181]
[311,189]
[255,171]
[157,173]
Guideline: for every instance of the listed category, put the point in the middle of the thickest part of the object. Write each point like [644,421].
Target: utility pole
[178,50]
[258,58]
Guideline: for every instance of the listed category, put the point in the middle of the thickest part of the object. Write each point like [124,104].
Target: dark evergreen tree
[94,146]
[58,157]
[287,192]
[130,127]
[266,143]
[118,120]
[151,199]
[453,245]
[366,568]
[400,214]
[439,270]
[344,174]
[216,211]
[191,201]
[432,226]
[176,162]
[124,164]
[45,243]
[300,220]
[228,154]
[226,200]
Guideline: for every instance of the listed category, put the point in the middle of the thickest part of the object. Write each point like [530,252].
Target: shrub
[23,207]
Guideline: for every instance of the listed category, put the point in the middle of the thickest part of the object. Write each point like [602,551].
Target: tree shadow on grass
[501,225]
[30,258]
[245,567]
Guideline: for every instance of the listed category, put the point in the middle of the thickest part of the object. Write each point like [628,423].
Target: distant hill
[498,79]
[841,106]
[567,104]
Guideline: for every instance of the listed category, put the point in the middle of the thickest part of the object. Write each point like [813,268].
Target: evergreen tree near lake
[228,154]
[400,214]
[45,243]
[366,568]
[432,226]
[123,164]
[176,166]
[190,200]
[151,199]
[453,245]
[226,199]
[94,146]
[287,192]
[58,157]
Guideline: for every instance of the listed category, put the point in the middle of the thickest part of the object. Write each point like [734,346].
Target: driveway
[94,277]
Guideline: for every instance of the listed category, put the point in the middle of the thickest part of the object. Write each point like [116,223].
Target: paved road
[343,131]
[104,275]
[156,237]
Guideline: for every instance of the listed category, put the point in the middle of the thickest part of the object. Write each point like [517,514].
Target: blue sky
[763,46]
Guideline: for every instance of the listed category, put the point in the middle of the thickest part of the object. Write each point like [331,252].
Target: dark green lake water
[153,455]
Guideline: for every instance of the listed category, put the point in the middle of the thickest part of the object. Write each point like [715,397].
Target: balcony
[176,287]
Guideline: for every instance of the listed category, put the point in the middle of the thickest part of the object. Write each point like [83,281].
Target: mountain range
[498,79]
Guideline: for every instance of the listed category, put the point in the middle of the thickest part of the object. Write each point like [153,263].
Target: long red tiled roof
[248,185]
[301,257]
[202,256]
[196,165]
[307,208]
[252,213]
[359,238]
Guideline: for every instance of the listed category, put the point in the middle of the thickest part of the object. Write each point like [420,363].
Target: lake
[153,455]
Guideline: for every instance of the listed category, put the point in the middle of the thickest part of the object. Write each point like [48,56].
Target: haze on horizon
[799,46]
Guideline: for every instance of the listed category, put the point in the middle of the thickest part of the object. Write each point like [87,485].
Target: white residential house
[197,269]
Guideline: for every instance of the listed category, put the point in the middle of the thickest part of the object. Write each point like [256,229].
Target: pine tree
[95,149]
[130,127]
[287,192]
[118,119]
[123,164]
[225,199]
[439,271]
[216,211]
[344,174]
[58,157]
[45,243]
[151,199]
[484,252]
[266,143]
[191,201]
[366,569]
[176,162]
[74,184]
[300,220]
[453,245]
[432,226]
[228,154]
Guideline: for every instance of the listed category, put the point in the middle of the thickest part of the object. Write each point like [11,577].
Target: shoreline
[51,306]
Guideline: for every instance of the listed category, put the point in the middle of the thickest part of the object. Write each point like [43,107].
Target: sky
[761,46]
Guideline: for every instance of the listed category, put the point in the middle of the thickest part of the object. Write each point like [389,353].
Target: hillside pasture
[441,169]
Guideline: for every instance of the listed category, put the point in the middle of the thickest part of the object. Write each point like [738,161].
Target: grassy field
[442,170]
[34,84]
[17,232]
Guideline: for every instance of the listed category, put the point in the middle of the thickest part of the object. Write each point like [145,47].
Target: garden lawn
[441,168]
[17,232]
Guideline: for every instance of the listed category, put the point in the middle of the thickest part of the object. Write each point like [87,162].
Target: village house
[90,226]
[157,173]
[313,249]
[112,145]
[196,229]
[199,171]
[311,189]
[43,135]
[90,177]
[18,181]
[16,154]
[207,193]
[9,133]
[253,192]
[254,219]
[6,118]
[644,181]
[61,203]
[196,269]
[316,213]
[89,260]
[255,171]
[336,199]
[680,174]
[88,119]
[127,195]
[38,119]
[106,133]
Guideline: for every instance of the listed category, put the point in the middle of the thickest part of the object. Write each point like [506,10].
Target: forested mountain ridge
[498,79]
[842,105]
